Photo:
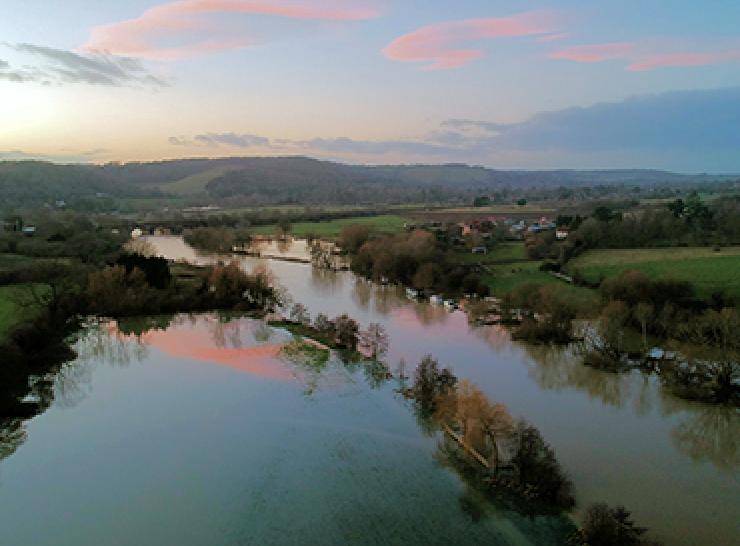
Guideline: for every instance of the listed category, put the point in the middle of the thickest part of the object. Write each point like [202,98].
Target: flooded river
[195,430]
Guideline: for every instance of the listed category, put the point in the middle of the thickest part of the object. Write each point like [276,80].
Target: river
[199,432]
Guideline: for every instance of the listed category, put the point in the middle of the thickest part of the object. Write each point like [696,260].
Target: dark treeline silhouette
[301,180]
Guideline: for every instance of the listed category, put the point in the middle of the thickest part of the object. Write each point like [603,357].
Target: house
[561,234]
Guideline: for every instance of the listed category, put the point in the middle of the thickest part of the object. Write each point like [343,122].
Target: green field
[505,278]
[388,223]
[706,269]
[194,184]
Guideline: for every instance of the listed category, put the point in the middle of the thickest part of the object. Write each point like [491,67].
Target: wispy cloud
[59,66]
[189,24]
[222,139]
[641,56]
[338,145]
[63,156]
[447,45]
[658,129]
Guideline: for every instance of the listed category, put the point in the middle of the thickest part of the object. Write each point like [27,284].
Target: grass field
[388,223]
[193,185]
[461,214]
[707,270]
[505,278]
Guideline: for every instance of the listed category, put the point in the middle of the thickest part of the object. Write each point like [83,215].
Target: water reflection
[705,433]
[624,439]
[326,281]
[557,368]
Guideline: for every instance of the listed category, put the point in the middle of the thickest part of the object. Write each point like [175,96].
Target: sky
[506,84]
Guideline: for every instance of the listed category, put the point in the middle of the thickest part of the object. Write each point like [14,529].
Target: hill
[290,180]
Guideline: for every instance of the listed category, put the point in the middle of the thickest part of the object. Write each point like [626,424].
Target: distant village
[490,227]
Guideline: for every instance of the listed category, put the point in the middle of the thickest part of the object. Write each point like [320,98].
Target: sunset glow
[360,81]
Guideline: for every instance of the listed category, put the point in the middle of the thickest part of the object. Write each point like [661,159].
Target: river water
[196,431]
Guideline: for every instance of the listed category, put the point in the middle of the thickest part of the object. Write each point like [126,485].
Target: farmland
[504,278]
[708,270]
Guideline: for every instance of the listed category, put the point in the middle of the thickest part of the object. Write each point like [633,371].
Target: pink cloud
[440,45]
[595,53]
[646,55]
[186,21]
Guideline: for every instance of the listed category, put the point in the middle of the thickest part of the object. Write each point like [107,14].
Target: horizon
[523,85]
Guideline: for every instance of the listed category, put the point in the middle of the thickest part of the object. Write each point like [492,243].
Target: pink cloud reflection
[197,344]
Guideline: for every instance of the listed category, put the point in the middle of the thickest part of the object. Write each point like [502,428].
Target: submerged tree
[299,314]
[346,329]
[537,471]
[374,340]
[606,526]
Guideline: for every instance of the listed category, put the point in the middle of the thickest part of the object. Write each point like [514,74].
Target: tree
[375,340]
[677,207]
[353,237]
[643,313]
[299,314]
[605,526]
[284,227]
[481,201]
[430,382]
[346,329]
[424,276]
[538,470]
[323,324]
[521,202]
[480,422]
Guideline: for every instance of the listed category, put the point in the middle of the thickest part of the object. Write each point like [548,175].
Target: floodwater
[197,431]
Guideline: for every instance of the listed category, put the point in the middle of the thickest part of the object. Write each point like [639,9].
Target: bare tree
[643,314]
[374,340]
[299,313]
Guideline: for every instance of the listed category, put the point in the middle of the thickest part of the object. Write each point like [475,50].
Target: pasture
[505,278]
[708,270]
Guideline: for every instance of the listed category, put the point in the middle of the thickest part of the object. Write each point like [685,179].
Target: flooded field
[197,430]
